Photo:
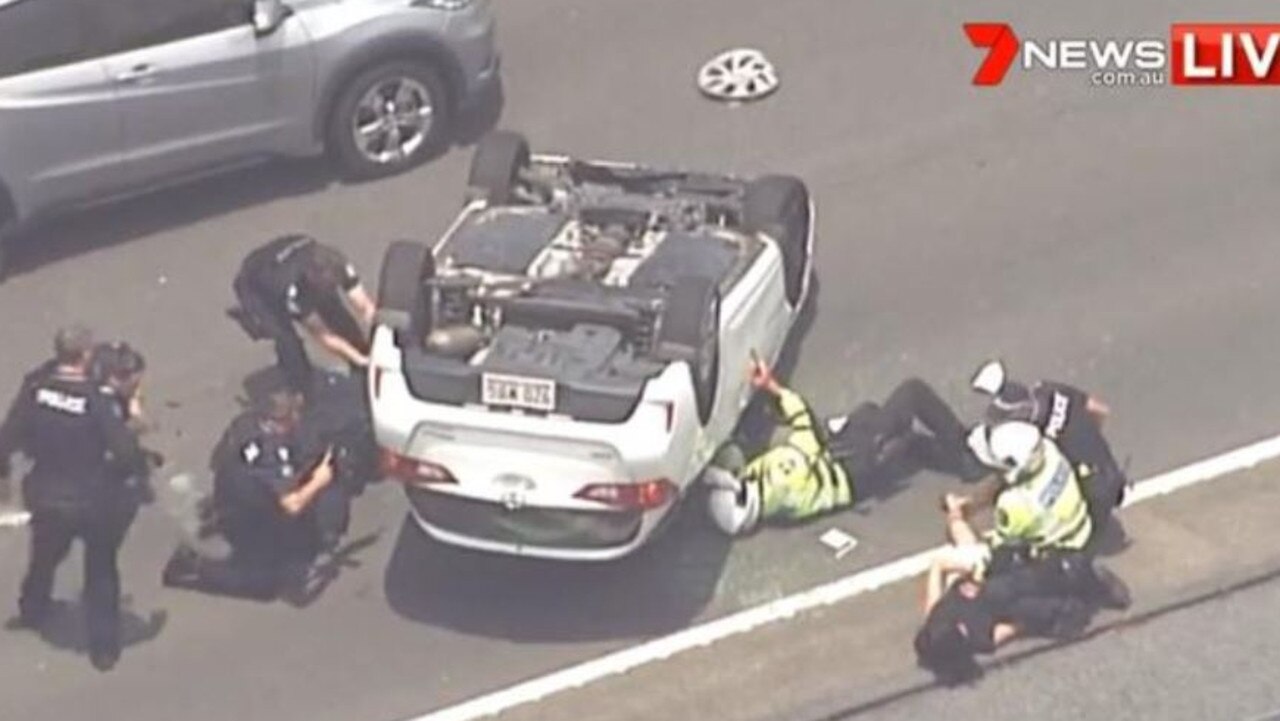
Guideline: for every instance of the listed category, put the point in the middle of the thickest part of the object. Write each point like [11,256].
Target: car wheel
[7,236]
[402,305]
[496,166]
[689,330]
[388,119]
[778,206]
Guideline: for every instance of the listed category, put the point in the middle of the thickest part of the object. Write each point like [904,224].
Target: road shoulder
[857,653]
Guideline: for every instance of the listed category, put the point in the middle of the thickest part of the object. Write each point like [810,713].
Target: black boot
[1113,592]
[182,569]
[104,656]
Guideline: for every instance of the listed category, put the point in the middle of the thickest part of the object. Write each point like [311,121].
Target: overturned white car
[552,376]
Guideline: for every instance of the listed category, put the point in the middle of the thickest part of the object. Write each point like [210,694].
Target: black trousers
[1035,592]
[102,530]
[263,316]
[268,553]
[291,354]
[877,436]
[1104,492]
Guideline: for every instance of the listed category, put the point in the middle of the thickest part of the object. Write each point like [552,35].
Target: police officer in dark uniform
[276,504]
[118,369]
[295,279]
[80,447]
[1072,419]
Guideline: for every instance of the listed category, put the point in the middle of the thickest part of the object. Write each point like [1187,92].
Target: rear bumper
[563,535]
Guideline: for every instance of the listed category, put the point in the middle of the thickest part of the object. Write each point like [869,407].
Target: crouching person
[274,503]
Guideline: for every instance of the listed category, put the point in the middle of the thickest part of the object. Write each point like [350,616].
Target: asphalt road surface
[1121,239]
[1187,666]
[1197,643]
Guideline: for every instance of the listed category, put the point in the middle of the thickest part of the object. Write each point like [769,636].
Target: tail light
[412,470]
[643,495]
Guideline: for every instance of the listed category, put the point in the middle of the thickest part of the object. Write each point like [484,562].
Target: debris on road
[738,75]
[838,541]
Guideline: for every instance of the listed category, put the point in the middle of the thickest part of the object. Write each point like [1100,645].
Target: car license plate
[517,392]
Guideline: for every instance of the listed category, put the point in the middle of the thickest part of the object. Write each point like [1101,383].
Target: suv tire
[357,106]
[496,166]
[7,235]
[778,206]
[690,331]
[402,302]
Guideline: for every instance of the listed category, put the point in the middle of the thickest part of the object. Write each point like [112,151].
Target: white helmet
[734,504]
[990,378]
[979,441]
[1017,449]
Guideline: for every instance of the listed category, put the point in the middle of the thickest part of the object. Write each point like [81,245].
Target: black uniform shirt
[75,436]
[253,468]
[275,268]
[300,303]
[1062,414]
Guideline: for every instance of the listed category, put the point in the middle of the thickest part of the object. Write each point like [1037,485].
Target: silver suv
[99,99]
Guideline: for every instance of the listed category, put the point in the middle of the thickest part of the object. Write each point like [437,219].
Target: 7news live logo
[1193,54]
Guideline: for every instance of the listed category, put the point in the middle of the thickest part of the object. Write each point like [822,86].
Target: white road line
[825,595]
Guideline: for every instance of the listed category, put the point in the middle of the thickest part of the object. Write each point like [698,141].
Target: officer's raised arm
[298,500]
[359,298]
[333,342]
[795,411]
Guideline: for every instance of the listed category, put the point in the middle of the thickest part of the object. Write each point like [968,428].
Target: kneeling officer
[275,504]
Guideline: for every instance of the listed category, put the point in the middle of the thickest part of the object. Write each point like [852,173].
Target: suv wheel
[6,243]
[778,205]
[689,330]
[402,305]
[496,166]
[388,119]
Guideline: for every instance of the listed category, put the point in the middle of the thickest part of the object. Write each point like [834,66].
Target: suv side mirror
[269,15]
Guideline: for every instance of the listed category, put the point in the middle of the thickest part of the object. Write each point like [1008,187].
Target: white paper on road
[838,541]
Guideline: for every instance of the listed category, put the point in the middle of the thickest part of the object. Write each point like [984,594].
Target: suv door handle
[136,73]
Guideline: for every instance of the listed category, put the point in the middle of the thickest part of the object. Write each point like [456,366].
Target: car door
[199,87]
[60,124]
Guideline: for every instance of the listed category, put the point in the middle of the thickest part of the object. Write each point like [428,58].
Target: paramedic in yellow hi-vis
[815,467]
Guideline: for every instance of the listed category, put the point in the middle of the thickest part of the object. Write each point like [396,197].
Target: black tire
[6,241]
[496,166]
[402,304]
[339,128]
[689,330]
[8,232]
[778,206]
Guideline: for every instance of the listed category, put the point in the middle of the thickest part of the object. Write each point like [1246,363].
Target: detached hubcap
[392,120]
[738,75]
